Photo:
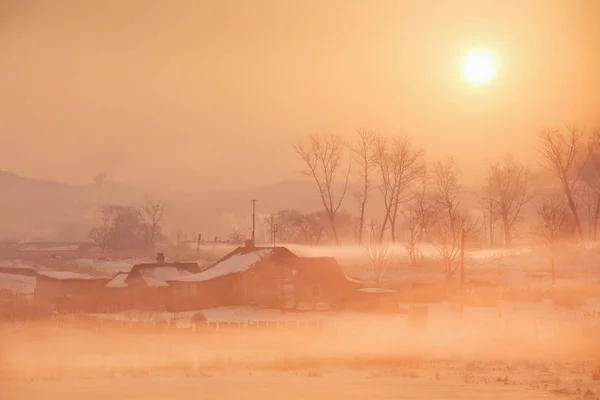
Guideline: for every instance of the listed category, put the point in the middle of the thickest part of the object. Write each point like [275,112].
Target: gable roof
[118,281]
[66,275]
[240,260]
[321,268]
[157,274]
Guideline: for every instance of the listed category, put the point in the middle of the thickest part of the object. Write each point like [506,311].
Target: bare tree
[151,213]
[508,189]
[237,237]
[419,216]
[365,158]
[323,157]
[446,187]
[553,225]
[381,259]
[587,199]
[120,227]
[411,223]
[294,226]
[589,194]
[490,212]
[447,236]
[451,222]
[400,164]
[102,233]
[562,151]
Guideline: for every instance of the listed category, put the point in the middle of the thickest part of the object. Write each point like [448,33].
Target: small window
[193,290]
[185,290]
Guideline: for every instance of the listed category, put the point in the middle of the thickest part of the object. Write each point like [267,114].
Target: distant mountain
[33,209]
[39,210]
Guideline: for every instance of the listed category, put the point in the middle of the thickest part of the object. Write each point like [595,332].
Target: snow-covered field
[17,283]
[342,384]
[73,247]
[19,264]
[375,357]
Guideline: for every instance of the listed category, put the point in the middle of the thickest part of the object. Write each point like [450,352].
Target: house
[246,276]
[263,276]
[145,285]
[318,282]
[68,291]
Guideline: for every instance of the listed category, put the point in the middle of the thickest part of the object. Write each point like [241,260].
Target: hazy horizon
[213,93]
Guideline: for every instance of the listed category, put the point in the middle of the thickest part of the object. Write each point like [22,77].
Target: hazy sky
[211,93]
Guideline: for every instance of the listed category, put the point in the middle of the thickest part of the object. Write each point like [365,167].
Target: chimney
[160,258]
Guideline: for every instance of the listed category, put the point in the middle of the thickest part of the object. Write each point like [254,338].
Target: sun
[479,66]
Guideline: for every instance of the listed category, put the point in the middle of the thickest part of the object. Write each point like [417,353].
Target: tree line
[424,198]
[126,227]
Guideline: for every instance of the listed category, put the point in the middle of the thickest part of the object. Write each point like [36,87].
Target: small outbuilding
[69,291]
[145,286]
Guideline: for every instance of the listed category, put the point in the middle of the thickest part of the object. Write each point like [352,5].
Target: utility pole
[462,258]
[462,271]
[273,229]
[253,238]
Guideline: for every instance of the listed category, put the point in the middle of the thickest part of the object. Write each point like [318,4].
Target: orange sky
[203,93]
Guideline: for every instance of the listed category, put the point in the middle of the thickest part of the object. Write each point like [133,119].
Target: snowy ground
[376,384]
[17,283]
[519,350]
[371,358]
[73,247]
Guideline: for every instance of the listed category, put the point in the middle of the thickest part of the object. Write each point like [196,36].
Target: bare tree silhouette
[553,225]
[400,164]
[419,216]
[365,157]
[102,233]
[323,157]
[508,188]
[562,151]
[151,213]
[451,222]
[381,259]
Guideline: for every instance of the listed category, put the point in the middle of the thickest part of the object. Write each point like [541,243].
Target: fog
[450,352]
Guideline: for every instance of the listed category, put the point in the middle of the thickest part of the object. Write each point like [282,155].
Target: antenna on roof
[253,238]
[273,229]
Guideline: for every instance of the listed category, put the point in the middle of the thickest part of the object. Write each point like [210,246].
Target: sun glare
[479,66]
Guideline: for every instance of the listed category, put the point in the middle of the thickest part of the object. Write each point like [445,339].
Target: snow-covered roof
[350,279]
[118,281]
[65,275]
[236,263]
[376,290]
[159,275]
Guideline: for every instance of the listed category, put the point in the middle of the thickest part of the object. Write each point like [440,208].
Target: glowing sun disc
[479,66]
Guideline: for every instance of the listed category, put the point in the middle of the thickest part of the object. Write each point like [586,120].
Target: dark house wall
[258,286]
[271,283]
[321,280]
[71,294]
[137,294]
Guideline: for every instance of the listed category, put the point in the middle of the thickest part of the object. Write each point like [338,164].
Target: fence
[97,323]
